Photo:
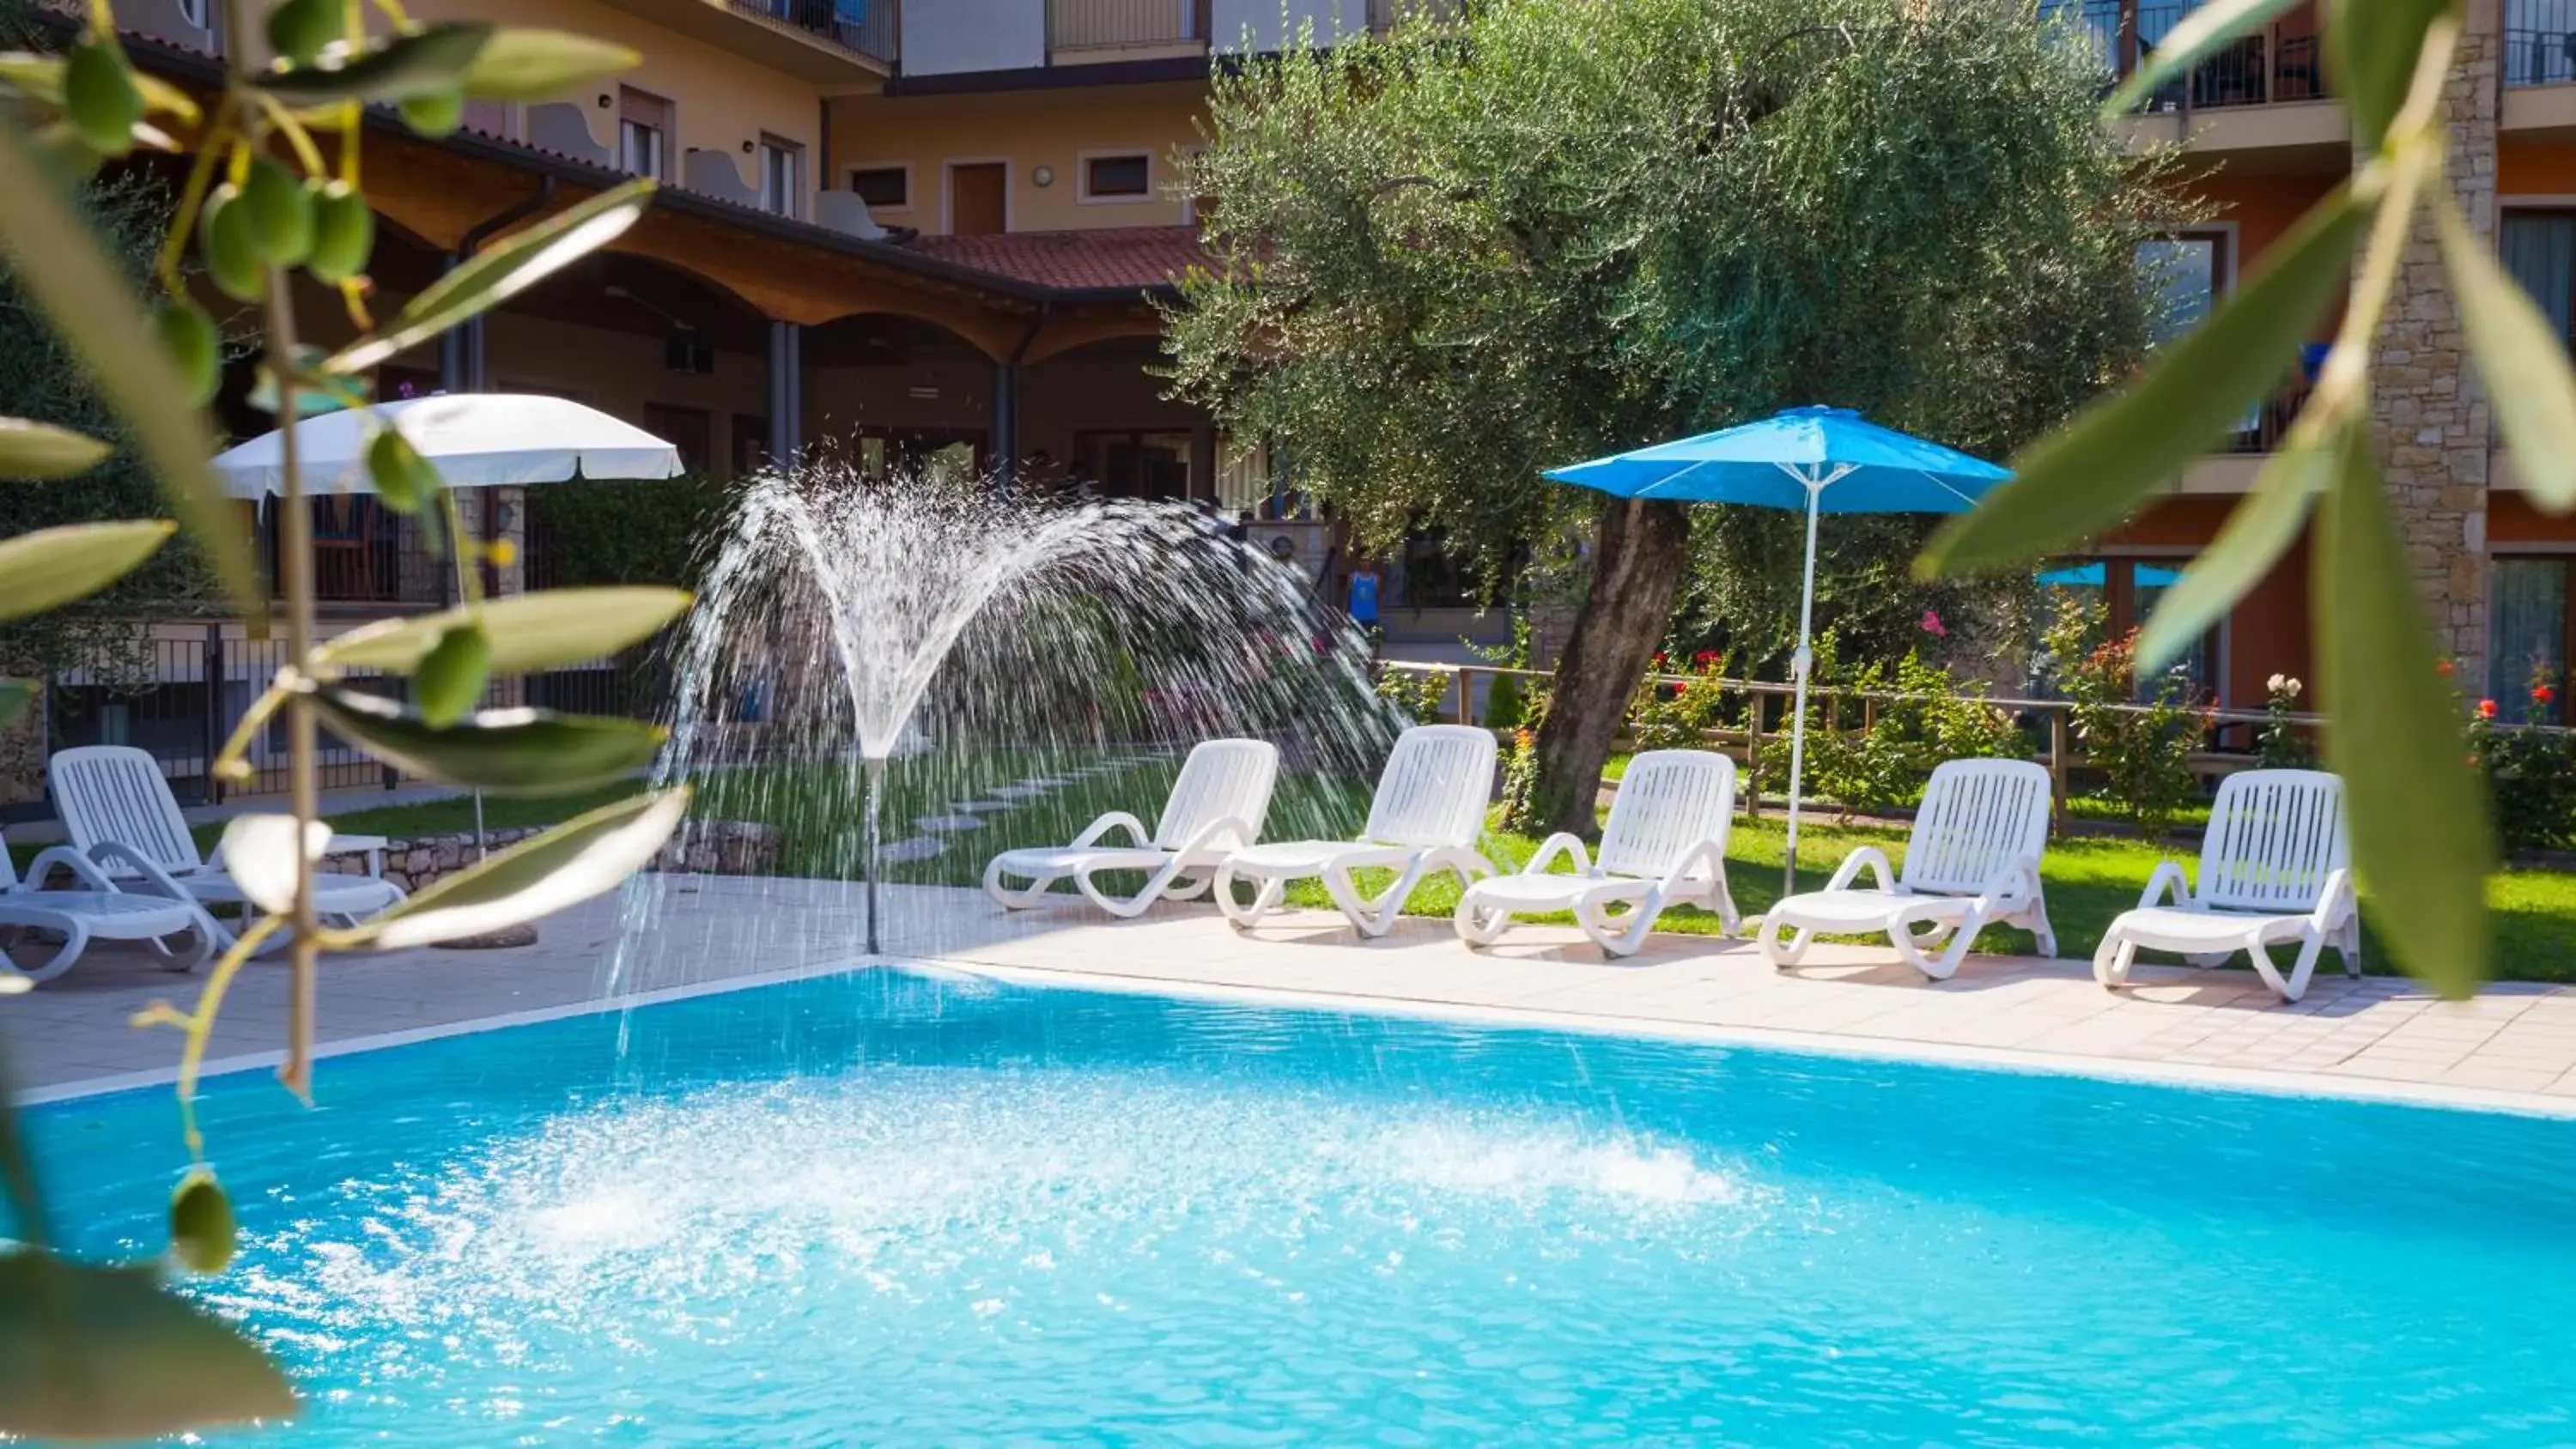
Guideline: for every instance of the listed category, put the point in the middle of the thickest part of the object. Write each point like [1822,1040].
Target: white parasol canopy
[474,440]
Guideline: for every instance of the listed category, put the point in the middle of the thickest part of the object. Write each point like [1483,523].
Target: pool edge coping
[2187,1075]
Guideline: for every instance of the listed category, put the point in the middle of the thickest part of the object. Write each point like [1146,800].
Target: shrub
[1677,716]
[2141,748]
[1418,695]
[1520,781]
[1926,716]
[2531,777]
[2280,746]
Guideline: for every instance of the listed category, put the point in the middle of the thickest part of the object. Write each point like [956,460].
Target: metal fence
[2278,62]
[873,28]
[178,694]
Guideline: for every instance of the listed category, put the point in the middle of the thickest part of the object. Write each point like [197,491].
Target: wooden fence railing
[1777,698]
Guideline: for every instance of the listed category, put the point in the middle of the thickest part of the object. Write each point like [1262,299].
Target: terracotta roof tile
[1141,257]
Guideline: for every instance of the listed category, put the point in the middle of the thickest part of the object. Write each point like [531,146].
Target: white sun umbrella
[474,440]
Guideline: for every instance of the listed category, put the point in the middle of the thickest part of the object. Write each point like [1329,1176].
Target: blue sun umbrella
[1815,460]
[2093,576]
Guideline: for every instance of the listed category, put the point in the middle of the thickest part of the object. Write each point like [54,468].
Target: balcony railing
[2539,42]
[2279,62]
[870,27]
[1121,24]
[2266,424]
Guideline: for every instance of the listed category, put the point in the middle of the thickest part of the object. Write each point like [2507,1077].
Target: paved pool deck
[2513,1048]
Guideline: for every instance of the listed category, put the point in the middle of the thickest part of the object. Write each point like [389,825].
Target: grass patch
[2089,879]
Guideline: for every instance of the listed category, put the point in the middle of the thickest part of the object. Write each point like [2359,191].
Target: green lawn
[2089,879]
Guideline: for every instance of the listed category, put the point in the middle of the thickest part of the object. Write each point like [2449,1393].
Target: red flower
[2486,709]
[2542,694]
[2445,668]
[1933,626]
[1704,658]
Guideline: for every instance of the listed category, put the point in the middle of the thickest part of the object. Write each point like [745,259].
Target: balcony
[2539,42]
[869,29]
[2277,63]
[850,43]
[1125,29]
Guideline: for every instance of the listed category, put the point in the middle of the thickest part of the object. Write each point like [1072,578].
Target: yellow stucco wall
[1027,129]
[720,99]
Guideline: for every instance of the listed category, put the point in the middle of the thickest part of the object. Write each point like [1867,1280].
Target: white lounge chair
[1665,844]
[2272,871]
[1428,811]
[120,813]
[1216,806]
[102,913]
[1972,862]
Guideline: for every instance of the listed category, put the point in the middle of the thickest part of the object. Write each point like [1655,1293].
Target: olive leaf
[509,267]
[39,77]
[528,632]
[2191,38]
[2372,47]
[41,450]
[2414,806]
[54,566]
[570,863]
[2256,534]
[432,59]
[92,1351]
[60,262]
[2523,362]
[518,64]
[505,751]
[2096,470]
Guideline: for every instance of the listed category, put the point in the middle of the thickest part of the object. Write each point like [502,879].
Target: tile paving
[2514,1047]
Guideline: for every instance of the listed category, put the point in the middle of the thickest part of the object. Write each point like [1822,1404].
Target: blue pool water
[903,1210]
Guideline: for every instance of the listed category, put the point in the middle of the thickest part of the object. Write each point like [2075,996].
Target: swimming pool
[886,1208]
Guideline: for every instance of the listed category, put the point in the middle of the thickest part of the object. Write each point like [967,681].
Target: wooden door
[975,199]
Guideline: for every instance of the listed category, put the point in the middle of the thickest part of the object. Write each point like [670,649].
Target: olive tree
[1451,258]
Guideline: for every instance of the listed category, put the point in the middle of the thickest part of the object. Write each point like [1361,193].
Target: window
[2539,42]
[1125,177]
[1134,465]
[2540,250]
[883,188]
[782,176]
[689,430]
[2127,591]
[2188,272]
[2527,635]
[643,133]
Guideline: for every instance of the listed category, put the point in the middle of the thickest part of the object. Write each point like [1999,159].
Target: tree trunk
[1637,568]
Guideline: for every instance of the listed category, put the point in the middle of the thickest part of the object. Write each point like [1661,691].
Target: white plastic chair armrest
[1705,853]
[1865,855]
[2015,885]
[1561,843]
[1228,831]
[2169,877]
[2336,901]
[81,867]
[160,881]
[1114,820]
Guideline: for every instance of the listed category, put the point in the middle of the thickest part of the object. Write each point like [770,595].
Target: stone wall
[2430,419]
[702,847]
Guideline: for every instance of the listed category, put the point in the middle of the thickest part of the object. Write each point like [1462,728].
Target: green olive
[101,98]
[188,335]
[452,675]
[434,113]
[281,212]
[202,1229]
[231,252]
[299,29]
[344,233]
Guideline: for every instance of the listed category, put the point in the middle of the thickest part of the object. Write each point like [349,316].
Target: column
[1203,462]
[786,389]
[2429,415]
[1006,425]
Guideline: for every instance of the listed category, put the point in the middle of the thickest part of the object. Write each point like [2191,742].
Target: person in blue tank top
[1363,604]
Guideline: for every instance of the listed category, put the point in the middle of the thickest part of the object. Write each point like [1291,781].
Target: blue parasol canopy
[1848,463]
[1812,460]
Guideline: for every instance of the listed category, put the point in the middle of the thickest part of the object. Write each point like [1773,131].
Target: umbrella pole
[1801,664]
